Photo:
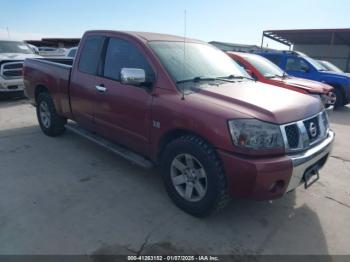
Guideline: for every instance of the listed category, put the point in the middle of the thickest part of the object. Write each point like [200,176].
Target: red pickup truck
[185,106]
[263,70]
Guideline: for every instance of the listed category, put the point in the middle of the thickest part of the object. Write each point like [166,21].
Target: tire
[339,102]
[213,185]
[50,122]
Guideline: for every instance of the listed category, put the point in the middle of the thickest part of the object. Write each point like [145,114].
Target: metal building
[332,45]
[224,46]
[55,42]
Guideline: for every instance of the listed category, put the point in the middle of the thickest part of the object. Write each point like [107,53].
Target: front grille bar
[3,69]
[304,140]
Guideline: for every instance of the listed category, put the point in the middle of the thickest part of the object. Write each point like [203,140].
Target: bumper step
[111,146]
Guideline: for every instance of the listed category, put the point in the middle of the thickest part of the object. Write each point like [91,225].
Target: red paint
[125,114]
[292,83]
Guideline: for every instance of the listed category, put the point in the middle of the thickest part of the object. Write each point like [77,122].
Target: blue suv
[300,65]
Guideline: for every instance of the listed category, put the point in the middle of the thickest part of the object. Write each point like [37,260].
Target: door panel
[83,99]
[82,83]
[123,112]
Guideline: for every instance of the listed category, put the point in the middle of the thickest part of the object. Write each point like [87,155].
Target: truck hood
[335,75]
[262,101]
[308,85]
[16,56]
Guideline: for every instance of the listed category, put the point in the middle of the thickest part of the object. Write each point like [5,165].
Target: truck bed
[52,74]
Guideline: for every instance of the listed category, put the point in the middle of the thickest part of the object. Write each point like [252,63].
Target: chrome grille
[292,133]
[305,133]
[11,70]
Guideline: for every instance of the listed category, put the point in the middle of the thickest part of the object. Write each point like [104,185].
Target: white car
[12,56]
[34,48]
[51,51]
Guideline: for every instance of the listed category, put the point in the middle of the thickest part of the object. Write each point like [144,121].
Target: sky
[209,20]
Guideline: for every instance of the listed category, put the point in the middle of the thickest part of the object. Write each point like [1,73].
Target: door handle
[101,88]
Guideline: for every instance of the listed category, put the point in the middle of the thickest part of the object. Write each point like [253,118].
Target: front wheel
[339,98]
[50,122]
[194,177]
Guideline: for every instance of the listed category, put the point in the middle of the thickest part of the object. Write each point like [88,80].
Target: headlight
[255,134]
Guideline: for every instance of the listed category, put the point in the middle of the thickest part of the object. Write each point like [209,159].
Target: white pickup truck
[12,56]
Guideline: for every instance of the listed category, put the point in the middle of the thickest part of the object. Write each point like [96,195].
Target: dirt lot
[68,196]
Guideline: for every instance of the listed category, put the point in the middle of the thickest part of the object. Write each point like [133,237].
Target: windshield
[201,61]
[264,66]
[315,64]
[15,47]
[329,66]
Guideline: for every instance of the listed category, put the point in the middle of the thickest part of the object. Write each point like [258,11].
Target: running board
[115,148]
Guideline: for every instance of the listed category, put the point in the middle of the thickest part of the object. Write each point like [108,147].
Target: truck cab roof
[145,36]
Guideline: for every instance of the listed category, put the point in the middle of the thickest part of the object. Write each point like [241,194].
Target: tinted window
[72,53]
[123,54]
[296,64]
[274,59]
[90,55]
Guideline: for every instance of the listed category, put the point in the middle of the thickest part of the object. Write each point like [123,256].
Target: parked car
[34,48]
[331,67]
[263,70]
[71,52]
[300,65]
[51,51]
[214,132]
[12,55]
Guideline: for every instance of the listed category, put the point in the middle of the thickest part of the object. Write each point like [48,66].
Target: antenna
[184,59]
[8,32]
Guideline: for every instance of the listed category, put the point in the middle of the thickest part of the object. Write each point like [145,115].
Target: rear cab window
[91,54]
[72,53]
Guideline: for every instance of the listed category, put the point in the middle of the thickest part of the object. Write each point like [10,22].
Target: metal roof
[232,44]
[54,41]
[340,36]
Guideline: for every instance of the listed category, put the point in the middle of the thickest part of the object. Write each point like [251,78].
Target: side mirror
[132,76]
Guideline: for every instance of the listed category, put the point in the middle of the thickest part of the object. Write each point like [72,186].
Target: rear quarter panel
[54,77]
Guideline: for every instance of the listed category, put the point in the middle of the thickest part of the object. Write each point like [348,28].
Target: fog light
[275,187]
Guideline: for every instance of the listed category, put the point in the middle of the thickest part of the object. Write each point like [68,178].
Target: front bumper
[271,178]
[11,85]
[315,155]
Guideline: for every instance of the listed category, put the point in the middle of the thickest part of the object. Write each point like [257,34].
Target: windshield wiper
[273,76]
[221,78]
[196,79]
[234,77]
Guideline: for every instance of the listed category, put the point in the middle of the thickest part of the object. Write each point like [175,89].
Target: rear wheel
[50,122]
[194,177]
